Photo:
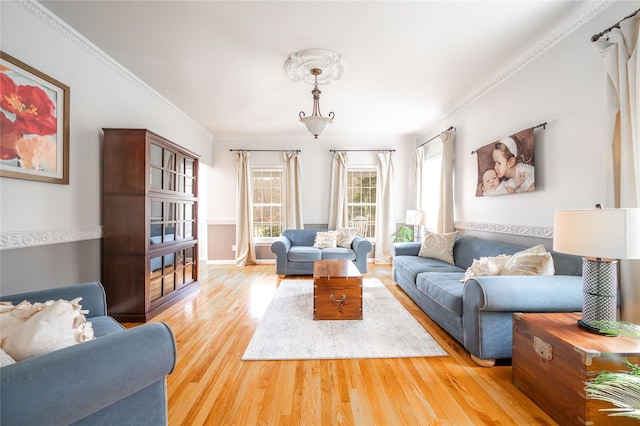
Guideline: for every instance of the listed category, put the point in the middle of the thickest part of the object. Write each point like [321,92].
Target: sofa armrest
[405,249]
[93,375]
[489,304]
[361,247]
[280,247]
[93,297]
[557,293]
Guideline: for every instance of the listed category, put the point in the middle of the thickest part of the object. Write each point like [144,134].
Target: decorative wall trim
[520,230]
[14,240]
[593,8]
[45,15]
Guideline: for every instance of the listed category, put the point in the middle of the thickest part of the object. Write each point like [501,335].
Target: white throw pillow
[5,359]
[485,266]
[532,261]
[345,236]
[59,324]
[325,240]
[438,246]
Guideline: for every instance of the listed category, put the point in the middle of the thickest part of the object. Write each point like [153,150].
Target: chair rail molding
[25,239]
[521,230]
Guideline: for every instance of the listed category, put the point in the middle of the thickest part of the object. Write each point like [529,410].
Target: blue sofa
[295,253]
[118,378]
[478,314]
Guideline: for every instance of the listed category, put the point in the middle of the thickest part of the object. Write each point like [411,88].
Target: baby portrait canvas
[507,166]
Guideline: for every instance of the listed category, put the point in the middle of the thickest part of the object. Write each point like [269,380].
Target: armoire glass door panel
[155,179]
[155,289]
[156,155]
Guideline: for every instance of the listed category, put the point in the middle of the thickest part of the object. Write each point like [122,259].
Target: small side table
[553,357]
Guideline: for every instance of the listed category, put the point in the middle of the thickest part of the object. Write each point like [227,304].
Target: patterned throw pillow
[345,236]
[438,246]
[325,240]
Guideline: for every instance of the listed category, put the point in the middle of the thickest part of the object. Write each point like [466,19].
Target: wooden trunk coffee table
[337,290]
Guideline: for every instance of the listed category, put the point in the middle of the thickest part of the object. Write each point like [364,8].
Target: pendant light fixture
[315,66]
[316,123]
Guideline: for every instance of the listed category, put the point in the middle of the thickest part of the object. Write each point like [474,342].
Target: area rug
[288,332]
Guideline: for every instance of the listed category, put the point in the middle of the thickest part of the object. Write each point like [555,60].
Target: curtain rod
[543,125]
[362,150]
[596,37]
[264,150]
[436,136]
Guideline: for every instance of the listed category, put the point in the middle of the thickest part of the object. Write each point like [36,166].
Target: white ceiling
[408,63]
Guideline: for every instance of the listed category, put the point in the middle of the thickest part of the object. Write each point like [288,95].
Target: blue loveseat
[478,314]
[118,378]
[295,253]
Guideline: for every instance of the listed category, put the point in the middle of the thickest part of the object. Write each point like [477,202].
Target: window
[267,203]
[431,184]
[361,201]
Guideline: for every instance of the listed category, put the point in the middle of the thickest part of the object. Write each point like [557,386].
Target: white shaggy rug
[287,330]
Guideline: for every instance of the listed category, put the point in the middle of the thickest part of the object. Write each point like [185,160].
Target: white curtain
[619,51]
[445,212]
[245,250]
[291,192]
[384,208]
[419,177]
[338,215]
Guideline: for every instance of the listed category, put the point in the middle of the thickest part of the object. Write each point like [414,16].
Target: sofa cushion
[338,253]
[468,248]
[304,254]
[302,237]
[443,288]
[410,266]
[438,246]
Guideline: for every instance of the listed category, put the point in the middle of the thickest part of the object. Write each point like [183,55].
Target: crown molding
[49,18]
[593,8]
[520,230]
[25,239]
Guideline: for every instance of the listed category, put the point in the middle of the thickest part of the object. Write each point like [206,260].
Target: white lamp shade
[416,217]
[598,233]
[315,124]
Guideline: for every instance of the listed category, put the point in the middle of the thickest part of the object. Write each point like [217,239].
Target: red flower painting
[34,110]
[34,124]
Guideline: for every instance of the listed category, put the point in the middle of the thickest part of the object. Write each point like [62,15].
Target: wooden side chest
[337,290]
[552,359]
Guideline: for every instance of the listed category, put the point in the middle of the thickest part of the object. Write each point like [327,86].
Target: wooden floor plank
[211,385]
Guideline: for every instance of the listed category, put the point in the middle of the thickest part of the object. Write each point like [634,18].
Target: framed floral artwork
[34,124]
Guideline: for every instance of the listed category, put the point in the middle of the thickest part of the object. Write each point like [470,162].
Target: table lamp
[418,219]
[601,237]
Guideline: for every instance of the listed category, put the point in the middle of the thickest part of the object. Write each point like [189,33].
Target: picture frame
[34,123]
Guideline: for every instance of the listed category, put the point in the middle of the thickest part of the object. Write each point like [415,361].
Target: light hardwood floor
[212,386]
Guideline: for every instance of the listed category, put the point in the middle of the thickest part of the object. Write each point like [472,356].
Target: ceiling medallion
[316,67]
[299,65]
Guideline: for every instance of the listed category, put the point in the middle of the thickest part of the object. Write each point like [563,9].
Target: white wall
[564,87]
[102,95]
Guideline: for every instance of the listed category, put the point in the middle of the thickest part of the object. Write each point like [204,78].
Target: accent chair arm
[405,249]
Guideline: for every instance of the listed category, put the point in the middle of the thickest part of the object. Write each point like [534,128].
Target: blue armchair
[117,378]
